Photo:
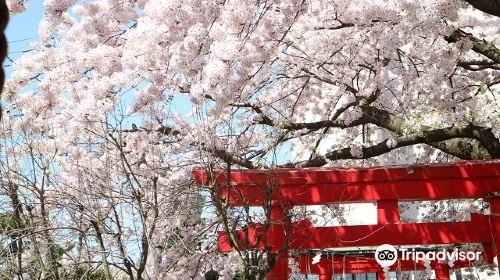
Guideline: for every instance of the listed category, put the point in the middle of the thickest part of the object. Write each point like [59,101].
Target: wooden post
[276,238]
[388,212]
[488,252]
[494,201]
[325,276]
[442,273]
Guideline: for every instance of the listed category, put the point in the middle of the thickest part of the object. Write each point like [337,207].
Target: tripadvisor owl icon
[386,255]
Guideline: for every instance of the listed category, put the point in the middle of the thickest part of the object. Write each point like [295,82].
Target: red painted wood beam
[317,194]
[328,186]
[303,236]
[256,238]
[301,176]
[475,231]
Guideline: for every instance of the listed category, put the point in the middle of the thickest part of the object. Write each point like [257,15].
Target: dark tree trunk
[4,18]
[491,7]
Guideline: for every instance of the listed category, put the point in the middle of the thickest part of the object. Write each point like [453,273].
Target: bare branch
[232,159]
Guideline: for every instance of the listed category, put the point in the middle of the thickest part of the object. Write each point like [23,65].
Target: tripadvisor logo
[386,255]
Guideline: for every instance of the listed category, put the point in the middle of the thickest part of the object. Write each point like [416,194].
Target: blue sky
[22,30]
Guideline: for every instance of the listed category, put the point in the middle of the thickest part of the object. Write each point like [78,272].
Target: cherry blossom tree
[119,100]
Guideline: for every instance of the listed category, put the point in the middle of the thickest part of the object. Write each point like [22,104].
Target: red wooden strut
[384,185]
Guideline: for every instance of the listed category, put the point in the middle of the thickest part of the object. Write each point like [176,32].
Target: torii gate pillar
[494,201]
[442,271]
[325,276]
[277,239]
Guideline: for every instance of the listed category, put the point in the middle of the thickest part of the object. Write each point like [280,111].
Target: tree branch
[232,159]
[483,47]
[463,148]
[491,7]
[424,137]
[467,142]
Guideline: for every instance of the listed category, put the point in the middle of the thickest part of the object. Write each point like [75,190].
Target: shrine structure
[282,189]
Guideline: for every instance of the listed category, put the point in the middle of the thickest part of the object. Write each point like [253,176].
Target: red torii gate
[383,185]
